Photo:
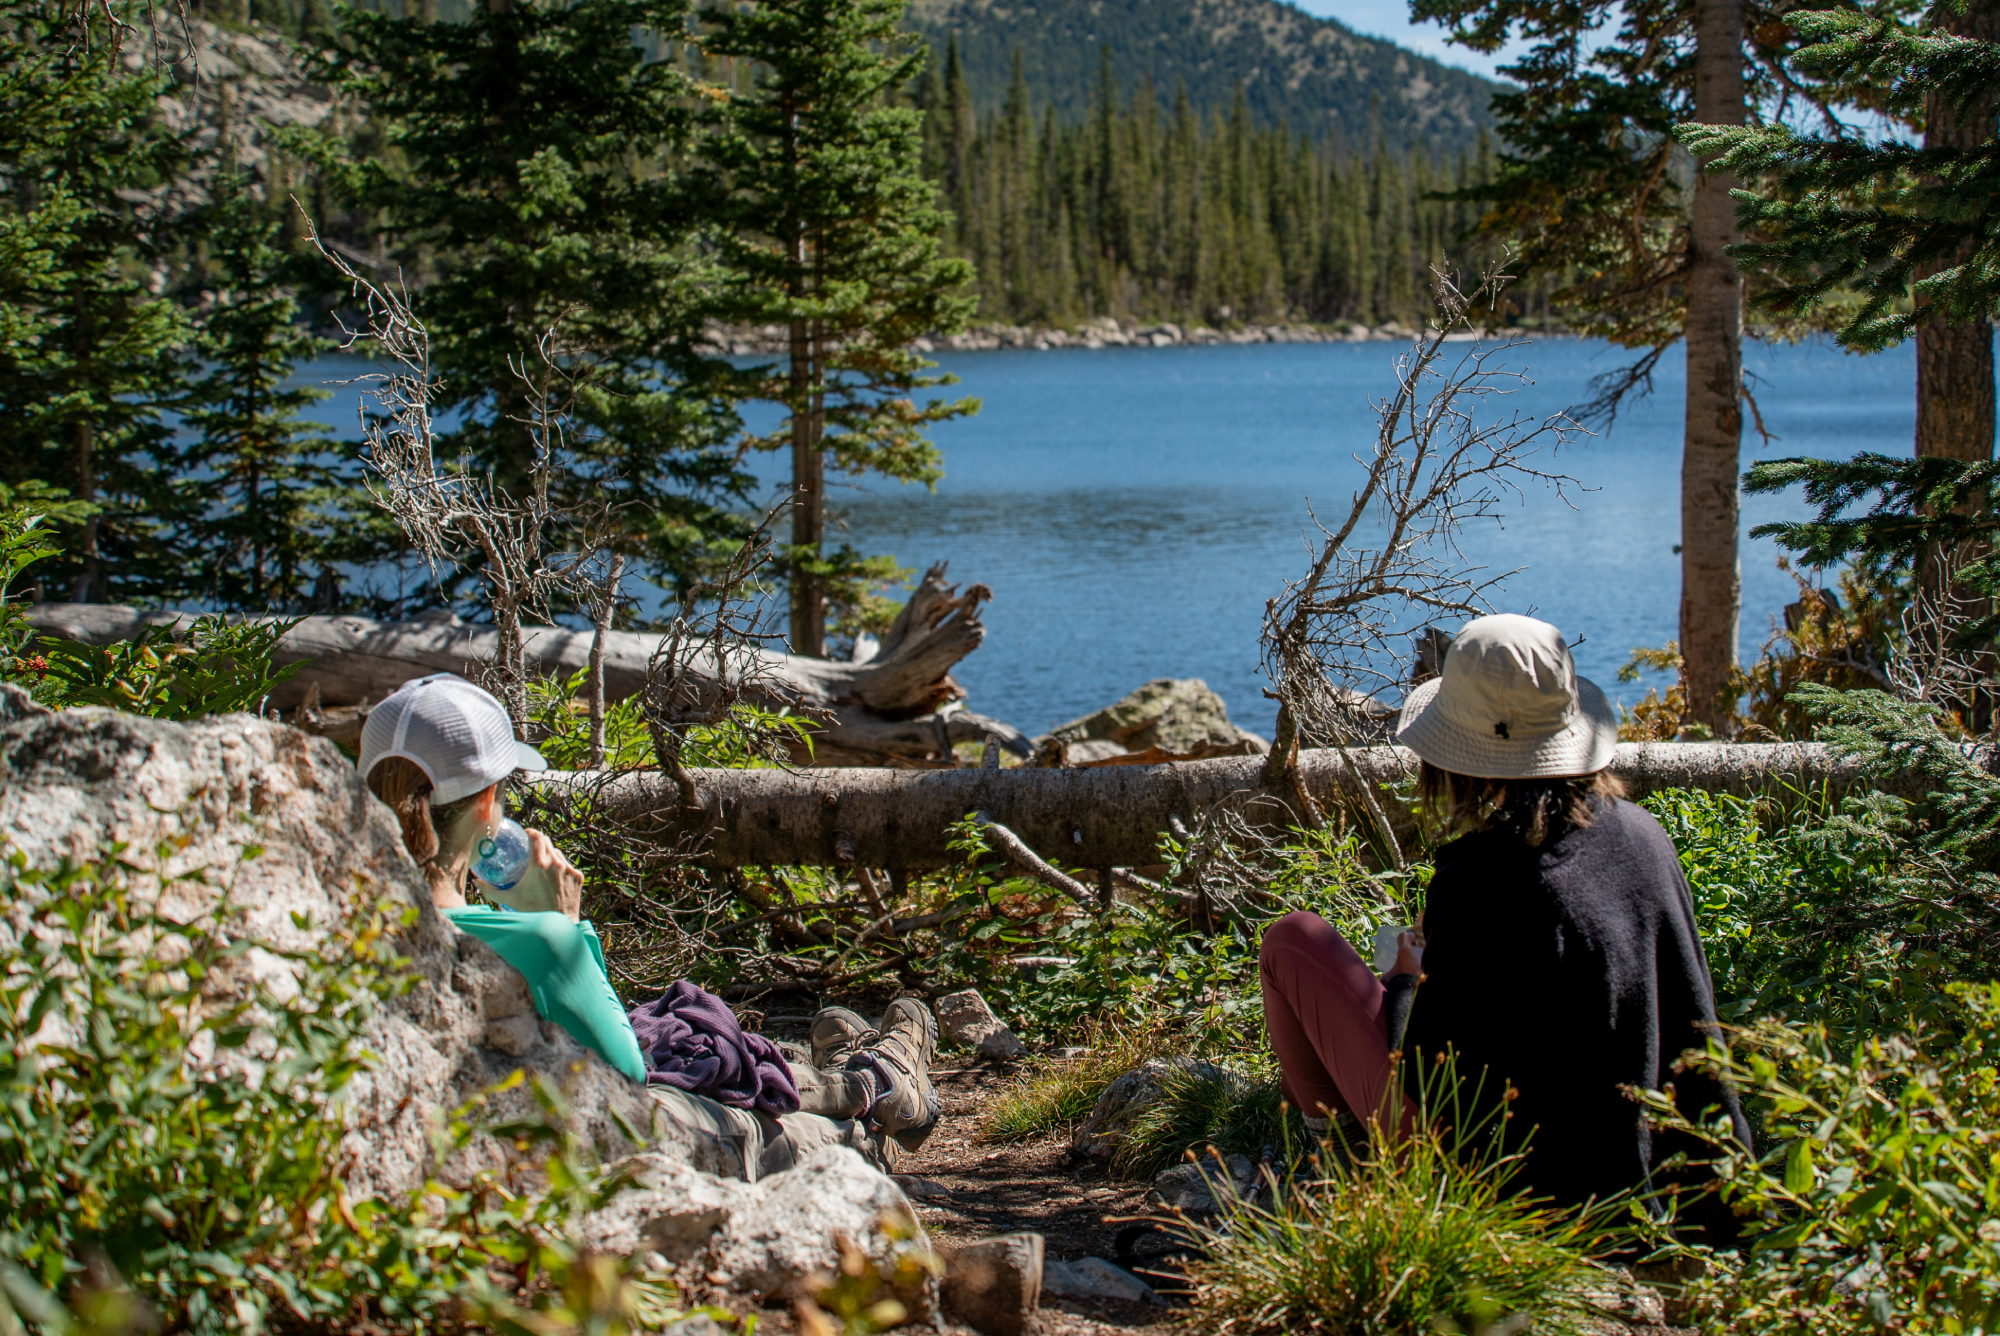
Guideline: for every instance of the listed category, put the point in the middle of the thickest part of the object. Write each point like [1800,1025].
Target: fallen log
[899,707]
[1097,817]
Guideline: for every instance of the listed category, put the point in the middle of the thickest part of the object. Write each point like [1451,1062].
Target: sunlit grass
[1428,1238]
[1203,1105]
[1058,1095]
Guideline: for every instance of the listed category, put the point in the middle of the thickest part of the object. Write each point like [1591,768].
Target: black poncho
[1568,970]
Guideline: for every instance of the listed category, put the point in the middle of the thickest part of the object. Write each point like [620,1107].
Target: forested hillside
[1314,74]
[1135,211]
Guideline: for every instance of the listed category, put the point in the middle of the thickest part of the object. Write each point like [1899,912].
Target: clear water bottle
[503,856]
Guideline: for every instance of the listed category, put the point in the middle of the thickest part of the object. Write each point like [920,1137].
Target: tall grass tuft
[1204,1105]
[1059,1095]
[1427,1238]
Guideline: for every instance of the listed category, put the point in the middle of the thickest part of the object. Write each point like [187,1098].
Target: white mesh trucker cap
[453,731]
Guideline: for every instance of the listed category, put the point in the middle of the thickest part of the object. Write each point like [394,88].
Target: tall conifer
[537,155]
[832,232]
[266,530]
[1893,238]
[1594,197]
[90,357]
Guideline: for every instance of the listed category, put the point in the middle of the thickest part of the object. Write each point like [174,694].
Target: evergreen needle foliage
[832,233]
[1917,510]
[267,492]
[539,158]
[1164,212]
[1908,227]
[90,357]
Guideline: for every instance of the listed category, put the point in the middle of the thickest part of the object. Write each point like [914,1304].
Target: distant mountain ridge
[1314,73]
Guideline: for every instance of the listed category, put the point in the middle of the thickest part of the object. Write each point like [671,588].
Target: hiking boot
[901,1054]
[837,1035]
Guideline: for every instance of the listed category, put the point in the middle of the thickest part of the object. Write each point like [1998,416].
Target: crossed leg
[1323,1011]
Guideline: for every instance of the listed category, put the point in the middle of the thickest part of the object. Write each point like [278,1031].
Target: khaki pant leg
[789,1139]
[768,1145]
[829,1094]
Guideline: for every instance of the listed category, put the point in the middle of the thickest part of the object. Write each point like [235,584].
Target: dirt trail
[1005,1189]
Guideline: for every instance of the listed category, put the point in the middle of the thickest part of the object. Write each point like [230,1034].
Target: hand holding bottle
[523,870]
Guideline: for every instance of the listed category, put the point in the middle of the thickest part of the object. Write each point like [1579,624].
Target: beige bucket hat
[1509,705]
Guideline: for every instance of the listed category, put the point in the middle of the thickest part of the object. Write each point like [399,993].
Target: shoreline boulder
[1167,719]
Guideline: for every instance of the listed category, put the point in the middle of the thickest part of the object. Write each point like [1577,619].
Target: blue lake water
[1133,509]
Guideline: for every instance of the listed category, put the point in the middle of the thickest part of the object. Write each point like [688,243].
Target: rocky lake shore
[1107,332]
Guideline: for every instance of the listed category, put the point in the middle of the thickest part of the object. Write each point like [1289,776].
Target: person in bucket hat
[1557,960]
[438,751]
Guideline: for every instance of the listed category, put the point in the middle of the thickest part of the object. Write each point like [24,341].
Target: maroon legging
[1323,1011]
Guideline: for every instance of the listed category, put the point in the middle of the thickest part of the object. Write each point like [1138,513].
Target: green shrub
[1876,1202]
[1852,913]
[170,1157]
[23,541]
[1430,1239]
[212,666]
[559,725]
[1145,963]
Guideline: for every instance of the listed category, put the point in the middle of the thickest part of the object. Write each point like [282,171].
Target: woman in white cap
[1558,954]
[437,750]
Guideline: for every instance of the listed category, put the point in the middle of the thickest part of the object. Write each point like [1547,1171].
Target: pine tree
[276,514]
[1894,238]
[1592,194]
[834,233]
[89,356]
[537,154]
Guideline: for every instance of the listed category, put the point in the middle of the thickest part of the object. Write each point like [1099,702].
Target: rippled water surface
[1133,509]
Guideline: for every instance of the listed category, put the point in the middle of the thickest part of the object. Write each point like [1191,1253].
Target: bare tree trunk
[1711,575]
[1955,362]
[1096,817]
[510,662]
[606,610]
[1955,390]
[808,625]
[86,490]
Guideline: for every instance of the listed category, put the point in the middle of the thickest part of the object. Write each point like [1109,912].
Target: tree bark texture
[808,625]
[1711,575]
[1100,817]
[898,708]
[1955,400]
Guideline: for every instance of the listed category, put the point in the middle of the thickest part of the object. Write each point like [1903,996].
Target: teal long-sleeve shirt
[563,963]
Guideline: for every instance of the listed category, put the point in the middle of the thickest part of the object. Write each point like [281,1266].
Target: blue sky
[1391,19]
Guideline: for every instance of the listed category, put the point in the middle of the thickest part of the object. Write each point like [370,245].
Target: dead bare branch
[1393,567]
[453,515]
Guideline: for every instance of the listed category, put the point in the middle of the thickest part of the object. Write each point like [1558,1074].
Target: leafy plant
[1820,909]
[190,1177]
[24,540]
[167,1149]
[1873,1206]
[558,718]
[1433,1238]
[559,725]
[214,667]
